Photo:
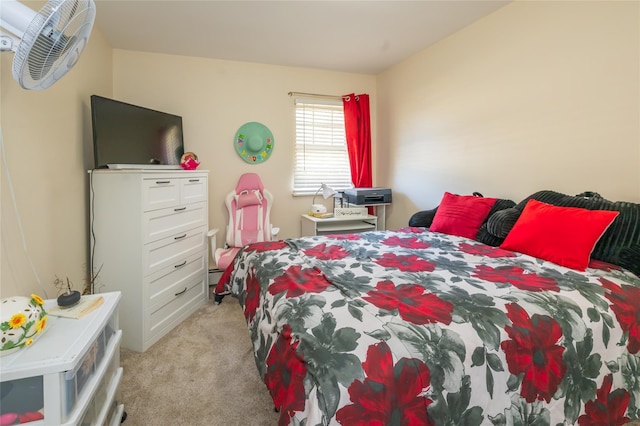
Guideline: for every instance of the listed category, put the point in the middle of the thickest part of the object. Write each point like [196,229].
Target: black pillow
[486,237]
[629,258]
[500,223]
[618,245]
[422,218]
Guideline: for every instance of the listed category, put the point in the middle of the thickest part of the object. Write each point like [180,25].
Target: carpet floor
[200,373]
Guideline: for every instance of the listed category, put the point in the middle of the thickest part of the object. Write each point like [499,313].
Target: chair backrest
[249,207]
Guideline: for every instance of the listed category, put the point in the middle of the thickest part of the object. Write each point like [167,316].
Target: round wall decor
[253,142]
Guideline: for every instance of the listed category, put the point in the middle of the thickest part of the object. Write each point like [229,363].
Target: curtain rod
[316,95]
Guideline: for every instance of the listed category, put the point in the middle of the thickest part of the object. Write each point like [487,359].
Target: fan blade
[46,52]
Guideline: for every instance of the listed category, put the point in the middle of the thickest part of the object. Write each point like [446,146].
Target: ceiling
[351,36]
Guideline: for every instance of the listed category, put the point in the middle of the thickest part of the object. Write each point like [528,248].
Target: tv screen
[130,136]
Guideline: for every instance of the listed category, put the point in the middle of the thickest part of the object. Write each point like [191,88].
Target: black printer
[367,196]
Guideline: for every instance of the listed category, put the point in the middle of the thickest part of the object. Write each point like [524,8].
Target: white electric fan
[48,43]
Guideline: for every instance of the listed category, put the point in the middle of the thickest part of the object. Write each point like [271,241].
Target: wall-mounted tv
[127,136]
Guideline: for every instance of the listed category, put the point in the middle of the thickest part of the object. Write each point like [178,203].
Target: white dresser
[148,240]
[71,374]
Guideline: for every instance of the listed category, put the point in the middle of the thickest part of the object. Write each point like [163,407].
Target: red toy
[189,161]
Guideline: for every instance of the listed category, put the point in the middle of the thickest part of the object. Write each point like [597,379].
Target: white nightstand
[310,225]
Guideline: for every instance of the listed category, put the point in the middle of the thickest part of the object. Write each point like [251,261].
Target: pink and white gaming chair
[249,208]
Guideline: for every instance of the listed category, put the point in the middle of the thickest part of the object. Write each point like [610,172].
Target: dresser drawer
[173,251]
[164,317]
[160,193]
[193,190]
[100,403]
[162,286]
[158,224]
[77,379]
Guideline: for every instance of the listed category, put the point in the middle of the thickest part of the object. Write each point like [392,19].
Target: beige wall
[538,95]
[215,98]
[49,144]
[46,134]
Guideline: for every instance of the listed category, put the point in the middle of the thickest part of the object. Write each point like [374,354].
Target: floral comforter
[411,327]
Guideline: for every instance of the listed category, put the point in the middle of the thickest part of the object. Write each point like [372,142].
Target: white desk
[310,225]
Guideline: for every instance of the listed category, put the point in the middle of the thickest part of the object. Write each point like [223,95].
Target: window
[321,146]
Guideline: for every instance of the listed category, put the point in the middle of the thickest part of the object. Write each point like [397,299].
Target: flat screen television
[127,136]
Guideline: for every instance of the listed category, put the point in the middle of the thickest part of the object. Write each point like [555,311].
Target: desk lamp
[327,192]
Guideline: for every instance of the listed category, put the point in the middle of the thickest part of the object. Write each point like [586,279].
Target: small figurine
[189,161]
[69,297]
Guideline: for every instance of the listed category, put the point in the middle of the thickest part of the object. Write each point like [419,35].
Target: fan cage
[53,42]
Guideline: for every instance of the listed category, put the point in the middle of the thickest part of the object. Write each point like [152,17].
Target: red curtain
[357,123]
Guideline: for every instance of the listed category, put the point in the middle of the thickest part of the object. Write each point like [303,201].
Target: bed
[418,327]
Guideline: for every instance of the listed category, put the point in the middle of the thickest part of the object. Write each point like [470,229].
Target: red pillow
[461,215]
[562,235]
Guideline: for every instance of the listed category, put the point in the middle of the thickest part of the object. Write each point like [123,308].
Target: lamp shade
[327,191]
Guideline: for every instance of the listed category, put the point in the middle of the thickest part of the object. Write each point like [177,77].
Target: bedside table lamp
[327,192]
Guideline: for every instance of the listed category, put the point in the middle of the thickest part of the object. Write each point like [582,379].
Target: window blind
[321,146]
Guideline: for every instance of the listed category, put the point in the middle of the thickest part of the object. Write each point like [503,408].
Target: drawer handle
[180,265]
[162,182]
[194,180]
[180,237]
[180,209]
[180,292]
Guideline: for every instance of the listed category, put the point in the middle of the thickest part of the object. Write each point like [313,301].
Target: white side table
[311,225]
[71,374]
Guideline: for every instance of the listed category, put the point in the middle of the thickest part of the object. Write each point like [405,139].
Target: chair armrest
[211,234]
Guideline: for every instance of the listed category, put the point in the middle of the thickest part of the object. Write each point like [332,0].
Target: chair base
[214,277]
